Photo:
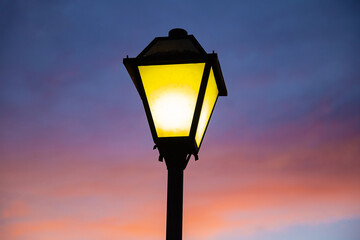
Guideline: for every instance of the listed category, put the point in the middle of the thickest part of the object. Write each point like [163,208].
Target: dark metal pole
[176,161]
[174,204]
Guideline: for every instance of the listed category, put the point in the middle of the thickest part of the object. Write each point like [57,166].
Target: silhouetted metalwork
[178,49]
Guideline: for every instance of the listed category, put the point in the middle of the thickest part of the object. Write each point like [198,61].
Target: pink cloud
[16,209]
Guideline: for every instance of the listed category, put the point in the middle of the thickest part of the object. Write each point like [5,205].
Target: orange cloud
[16,209]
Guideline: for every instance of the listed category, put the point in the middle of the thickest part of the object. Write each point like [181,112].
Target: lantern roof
[178,43]
[177,48]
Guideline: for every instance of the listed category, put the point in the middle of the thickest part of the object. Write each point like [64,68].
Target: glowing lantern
[179,84]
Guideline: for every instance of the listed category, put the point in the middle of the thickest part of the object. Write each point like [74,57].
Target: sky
[280,158]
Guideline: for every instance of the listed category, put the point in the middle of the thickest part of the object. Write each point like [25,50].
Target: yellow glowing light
[172,92]
[211,95]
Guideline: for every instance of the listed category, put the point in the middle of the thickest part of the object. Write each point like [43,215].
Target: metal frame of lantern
[182,144]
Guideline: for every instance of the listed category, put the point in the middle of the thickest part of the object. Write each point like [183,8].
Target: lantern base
[176,150]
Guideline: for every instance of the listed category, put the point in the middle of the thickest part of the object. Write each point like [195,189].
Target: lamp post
[179,84]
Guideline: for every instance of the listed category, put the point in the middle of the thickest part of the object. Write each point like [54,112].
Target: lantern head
[179,84]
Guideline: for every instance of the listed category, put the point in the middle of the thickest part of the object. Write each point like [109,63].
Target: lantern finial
[177,33]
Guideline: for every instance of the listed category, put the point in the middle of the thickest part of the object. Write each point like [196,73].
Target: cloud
[16,209]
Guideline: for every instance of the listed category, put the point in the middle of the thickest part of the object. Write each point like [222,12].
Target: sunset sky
[281,156]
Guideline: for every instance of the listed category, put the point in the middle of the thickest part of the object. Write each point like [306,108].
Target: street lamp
[179,84]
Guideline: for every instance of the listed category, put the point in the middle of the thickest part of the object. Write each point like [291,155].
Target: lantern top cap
[177,33]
